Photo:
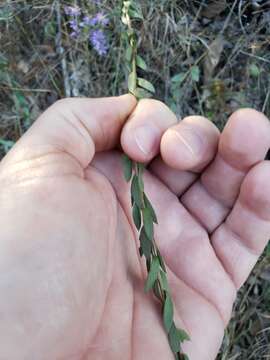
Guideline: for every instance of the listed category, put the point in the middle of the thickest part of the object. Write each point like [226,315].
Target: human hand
[71,278]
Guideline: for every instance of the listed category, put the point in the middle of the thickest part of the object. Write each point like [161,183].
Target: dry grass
[204,59]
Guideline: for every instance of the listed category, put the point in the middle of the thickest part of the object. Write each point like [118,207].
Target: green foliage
[174,339]
[136,215]
[254,70]
[6,144]
[178,79]
[143,213]
[136,192]
[195,73]
[142,94]
[153,274]
[148,223]
[146,85]
[163,281]
[151,209]
[141,63]
[146,244]
[168,313]
[127,166]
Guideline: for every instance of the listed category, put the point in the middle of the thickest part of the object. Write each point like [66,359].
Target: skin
[71,279]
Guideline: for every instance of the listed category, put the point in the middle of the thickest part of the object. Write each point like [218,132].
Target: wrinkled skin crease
[81,293]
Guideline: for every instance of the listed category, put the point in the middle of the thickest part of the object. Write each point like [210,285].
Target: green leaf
[178,78]
[141,93]
[153,274]
[134,14]
[168,313]
[146,244]
[164,281]
[140,176]
[157,292]
[136,192]
[136,214]
[148,223]
[254,70]
[146,85]
[161,261]
[173,339]
[129,54]
[127,165]
[151,209]
[141,63]
[182,335]
[195,73]
[132,82]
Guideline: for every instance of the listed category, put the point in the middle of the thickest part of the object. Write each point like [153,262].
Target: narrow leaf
[148,223]
[254,70]
[178,78]
[173,339]
[136,192]
[153,274]
[146,245]
[132,82]
[195,73]
[134,14]
[129,54]
[136,214]
[168,313]
[127,165]
[164,281]
[146,85]
[141,63]
[156,290]
[161,261]
[140,168]
[182,335]
[140,176]
[142,93]
[151,209]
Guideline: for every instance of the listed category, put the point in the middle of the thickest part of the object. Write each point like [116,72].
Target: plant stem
[142,210]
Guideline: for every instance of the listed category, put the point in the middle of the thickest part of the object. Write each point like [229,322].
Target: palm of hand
[85,273]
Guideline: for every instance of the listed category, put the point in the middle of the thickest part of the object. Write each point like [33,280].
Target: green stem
[143,213]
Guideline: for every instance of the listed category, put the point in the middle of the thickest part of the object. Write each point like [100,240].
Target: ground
[206,57]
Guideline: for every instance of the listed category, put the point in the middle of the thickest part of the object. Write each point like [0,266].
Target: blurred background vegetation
[206,57]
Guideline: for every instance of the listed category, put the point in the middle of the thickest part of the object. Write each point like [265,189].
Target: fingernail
[192,141]
[147,138]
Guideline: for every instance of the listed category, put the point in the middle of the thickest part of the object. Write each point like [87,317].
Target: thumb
[76,126]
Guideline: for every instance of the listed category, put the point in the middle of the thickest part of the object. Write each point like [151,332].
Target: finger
[240,240]
[77,127]
[244,142]
[178,181]
[141,135]
[191,144]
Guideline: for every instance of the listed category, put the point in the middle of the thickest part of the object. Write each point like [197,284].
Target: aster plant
[143,213]
[92,28]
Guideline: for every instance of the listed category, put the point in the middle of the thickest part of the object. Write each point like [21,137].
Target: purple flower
[72,10]
[99,19]
[75,28]
[99,42]
[86,21]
